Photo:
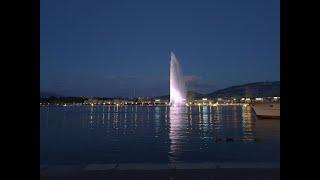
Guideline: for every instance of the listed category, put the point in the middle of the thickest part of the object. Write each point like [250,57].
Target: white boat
[266,109]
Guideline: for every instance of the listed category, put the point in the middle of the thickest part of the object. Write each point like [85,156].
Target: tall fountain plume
[177,84]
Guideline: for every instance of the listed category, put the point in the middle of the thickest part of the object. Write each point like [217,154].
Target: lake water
[136,134]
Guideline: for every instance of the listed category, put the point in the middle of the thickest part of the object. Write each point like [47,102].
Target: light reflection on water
[156,134]
[177,132]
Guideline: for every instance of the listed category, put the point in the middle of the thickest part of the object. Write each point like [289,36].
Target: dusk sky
[122,47]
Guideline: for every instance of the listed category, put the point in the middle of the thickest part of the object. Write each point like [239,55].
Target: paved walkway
[198,171]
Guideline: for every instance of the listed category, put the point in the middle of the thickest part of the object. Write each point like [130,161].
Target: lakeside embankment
[214,171]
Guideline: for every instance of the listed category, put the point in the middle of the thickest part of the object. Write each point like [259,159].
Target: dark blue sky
[121,47]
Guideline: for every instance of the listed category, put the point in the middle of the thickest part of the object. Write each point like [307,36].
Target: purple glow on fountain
[177,85]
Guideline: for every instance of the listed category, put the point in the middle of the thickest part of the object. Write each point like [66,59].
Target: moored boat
[266,109]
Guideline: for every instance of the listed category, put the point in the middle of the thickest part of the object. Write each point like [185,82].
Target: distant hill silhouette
[251,90]
[194,95]
[190,95]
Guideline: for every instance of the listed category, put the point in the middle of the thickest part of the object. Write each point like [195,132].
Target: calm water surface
[135,134]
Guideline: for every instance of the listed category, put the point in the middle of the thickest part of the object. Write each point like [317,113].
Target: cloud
[121,77]
[110,77]
[189,79]
[63,86]
[198,84]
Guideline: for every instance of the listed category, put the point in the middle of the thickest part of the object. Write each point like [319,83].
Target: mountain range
[250,90]
[190,95]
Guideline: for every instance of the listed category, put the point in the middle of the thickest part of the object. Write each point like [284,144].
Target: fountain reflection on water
[177,132]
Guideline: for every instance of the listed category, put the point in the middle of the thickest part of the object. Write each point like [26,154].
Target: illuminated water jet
[177,84]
